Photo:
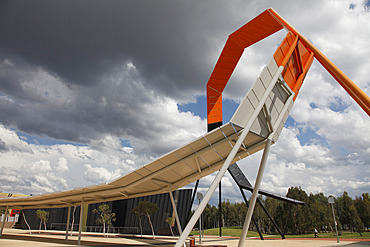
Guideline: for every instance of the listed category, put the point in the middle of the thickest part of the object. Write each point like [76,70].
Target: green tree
[319,211]
[347,212]
[105,216]
[241,209]
[358,225]
[226,213]
[362,205]
[271,206]
[293,219]
[138,212]
[209,217]
[43,216]
[299,221]
[170,221]
[146,208]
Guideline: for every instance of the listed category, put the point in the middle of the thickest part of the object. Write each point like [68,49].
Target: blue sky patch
[200,108]
[306,135]
[313,105]
[338,106]
[125,143]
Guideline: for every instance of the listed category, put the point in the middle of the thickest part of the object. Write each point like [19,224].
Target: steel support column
[219,209]
[68,216]
[80,225]
[2,226]
[255,193]
[192,199]
[272,220]
[175,210]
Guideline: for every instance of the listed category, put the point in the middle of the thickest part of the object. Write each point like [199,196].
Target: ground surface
[14,238]
[236,232]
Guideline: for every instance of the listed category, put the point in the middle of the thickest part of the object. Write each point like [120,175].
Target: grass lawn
[236,232]
[365,235]
[233,231]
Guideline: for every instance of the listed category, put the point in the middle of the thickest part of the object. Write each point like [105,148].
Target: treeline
[352,215]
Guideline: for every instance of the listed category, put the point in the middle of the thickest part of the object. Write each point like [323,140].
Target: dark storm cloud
[120,106]
[80,41]
[63,66]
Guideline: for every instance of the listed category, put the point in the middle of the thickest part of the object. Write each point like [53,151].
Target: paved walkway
[15,238]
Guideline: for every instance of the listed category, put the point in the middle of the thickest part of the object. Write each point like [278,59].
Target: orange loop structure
[295,54]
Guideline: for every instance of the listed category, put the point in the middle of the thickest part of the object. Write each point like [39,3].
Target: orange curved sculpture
[295,53]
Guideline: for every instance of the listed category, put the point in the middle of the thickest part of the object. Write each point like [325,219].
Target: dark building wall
[125,222]
[57,218]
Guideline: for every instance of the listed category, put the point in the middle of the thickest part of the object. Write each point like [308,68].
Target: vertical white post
[80,225]
[254,194]
[68,216]
[2,226]
[200,227]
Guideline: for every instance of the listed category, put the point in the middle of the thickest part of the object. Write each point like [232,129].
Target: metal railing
[100,229]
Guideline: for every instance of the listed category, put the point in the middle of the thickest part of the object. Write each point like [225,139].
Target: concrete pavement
[16,237]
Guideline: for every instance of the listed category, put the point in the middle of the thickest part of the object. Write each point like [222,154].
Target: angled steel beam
[272,220]
[255,193]
[254,220]
[175,210]
[237,177]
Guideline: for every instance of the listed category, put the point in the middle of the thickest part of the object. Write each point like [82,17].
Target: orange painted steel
[257,29]
[362,99]
[295,53]
[296,60]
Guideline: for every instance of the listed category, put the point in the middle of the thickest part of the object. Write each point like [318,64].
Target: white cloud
[124,105]
[100,174]
[39,166]
[48,168]
[313,167]
[62,165]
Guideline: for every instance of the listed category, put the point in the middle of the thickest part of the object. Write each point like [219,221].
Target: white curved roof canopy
[190,162]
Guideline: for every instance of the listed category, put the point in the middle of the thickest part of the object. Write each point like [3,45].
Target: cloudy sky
[91,90]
